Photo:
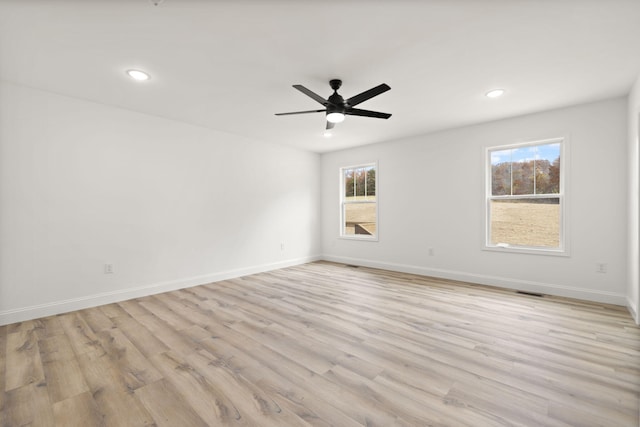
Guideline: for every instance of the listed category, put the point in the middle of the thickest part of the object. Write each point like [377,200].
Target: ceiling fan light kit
[336,107]
[335,117]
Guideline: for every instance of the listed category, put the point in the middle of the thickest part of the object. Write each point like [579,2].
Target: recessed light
[138,75]
[495,93]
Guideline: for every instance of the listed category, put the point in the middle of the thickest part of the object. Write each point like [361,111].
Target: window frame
[563,247]
[343,203]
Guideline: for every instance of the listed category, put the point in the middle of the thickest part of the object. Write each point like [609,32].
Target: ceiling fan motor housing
[336,102]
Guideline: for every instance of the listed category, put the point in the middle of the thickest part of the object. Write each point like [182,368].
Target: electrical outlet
[282,246]
[601,267]
[108,269]
[432,252]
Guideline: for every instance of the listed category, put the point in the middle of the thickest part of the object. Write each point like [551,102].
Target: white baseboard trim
[503,282]
[633,309]
[65,306]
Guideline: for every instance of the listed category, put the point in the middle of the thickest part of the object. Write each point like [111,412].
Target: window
[525,197]
[358,200]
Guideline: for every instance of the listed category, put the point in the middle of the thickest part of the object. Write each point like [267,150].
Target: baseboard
[503,282]
[58,307]
[65,306]
[633,309]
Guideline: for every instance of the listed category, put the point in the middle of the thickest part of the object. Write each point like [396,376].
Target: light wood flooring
[325,344]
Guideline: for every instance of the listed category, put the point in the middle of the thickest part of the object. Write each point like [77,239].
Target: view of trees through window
[525,176]
[525,196]
[359,201]
[360,182]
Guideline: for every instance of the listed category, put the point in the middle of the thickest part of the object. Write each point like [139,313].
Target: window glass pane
[348,183]
[526,222]
[360,177]
[522,164]
[371,183]
[360,218]
[501,173]
[526,170]
[548,169]
[360,184]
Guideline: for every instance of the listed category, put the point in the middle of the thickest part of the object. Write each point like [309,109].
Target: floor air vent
[531,294]
[352,266]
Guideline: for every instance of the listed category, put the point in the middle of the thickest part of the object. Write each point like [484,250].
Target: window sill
[363,238]
[527,251]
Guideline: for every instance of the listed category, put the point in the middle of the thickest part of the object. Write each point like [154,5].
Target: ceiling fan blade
[330,125]
[367,94]
[311,94]
[300,112]
[367,113]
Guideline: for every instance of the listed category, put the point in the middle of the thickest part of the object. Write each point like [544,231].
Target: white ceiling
[229,65]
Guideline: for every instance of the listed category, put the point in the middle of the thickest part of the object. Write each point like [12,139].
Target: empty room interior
[326,213]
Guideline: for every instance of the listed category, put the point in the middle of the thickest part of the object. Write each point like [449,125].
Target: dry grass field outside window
[360,214]
[525,224]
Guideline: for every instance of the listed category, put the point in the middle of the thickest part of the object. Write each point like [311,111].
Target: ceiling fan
[336,107]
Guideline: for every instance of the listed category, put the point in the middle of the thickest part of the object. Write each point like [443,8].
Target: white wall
[168,204]
[448,213]
[633,287]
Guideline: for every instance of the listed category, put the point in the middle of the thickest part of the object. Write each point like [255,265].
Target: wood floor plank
[118,404]
[582,415]
[243,356]
[132,308]
[156,305]
[284,344]
[63,380]
[601,397]
[22,326]
[114,310]
[28,405]
[48,327]
[167,406]
[325,344]
[254,403]
[207,398]
[120,409]
[361,405]
[173,339]
[80,334]
[130,361]
[24,365]
[140,336]
[516,406]
[96,319]
[56,347]
[78,411]
[270,372]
